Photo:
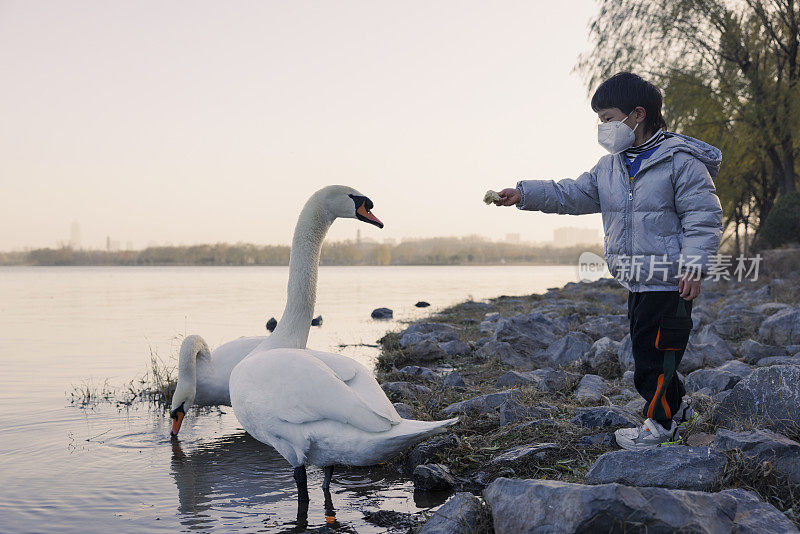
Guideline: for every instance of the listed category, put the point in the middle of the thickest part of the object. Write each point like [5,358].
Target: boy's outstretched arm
[574,197]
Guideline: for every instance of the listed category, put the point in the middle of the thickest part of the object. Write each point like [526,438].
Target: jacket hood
[709,155]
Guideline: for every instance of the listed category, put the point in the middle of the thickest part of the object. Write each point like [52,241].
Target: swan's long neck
[313,224]
[191,348]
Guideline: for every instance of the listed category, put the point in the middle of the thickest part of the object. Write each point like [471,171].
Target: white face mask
[616,136]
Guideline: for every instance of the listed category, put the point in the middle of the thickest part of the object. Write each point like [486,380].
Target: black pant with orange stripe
[655,375]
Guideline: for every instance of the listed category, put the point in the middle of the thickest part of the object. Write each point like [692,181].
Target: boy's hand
[688,287]
[508,197]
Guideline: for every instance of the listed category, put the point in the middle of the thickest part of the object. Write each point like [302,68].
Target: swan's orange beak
[176,423]
[367,216]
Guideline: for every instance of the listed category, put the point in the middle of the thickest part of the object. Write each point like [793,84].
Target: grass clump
[761,477]
[154,386]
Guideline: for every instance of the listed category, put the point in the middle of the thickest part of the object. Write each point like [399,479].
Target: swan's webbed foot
[328,471]
[302,483]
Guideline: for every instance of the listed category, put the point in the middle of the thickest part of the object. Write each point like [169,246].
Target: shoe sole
[636,447]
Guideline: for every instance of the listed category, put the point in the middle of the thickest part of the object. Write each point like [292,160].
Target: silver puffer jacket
[665,219]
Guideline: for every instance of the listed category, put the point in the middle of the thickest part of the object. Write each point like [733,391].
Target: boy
[662,221]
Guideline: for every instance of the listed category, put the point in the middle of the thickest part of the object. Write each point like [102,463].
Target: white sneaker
[648,436]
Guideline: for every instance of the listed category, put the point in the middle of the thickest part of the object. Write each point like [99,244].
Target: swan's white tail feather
[411,430]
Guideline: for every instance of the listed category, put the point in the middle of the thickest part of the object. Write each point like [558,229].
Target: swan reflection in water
[236,480]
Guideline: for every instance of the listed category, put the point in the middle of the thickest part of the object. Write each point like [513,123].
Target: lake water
[103,468]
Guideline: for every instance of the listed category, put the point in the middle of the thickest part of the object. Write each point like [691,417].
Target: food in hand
[491,196]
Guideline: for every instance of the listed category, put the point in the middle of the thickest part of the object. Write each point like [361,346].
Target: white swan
[322,409]
[316,407]
[203,376]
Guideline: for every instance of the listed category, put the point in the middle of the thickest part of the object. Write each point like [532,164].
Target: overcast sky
[198,122]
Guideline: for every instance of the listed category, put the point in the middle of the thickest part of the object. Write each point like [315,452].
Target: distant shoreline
[431,251]
[507,264]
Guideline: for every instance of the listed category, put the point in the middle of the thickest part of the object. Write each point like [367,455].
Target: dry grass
[155,386]
[761,477]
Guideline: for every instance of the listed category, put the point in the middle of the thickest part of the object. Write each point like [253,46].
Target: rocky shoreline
[540,383]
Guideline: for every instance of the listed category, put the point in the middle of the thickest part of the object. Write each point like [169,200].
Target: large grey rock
[546,379]
[512,411]
[611,326]
[763,446]
[514,378]
[592,388]
[721,350]
[419,372]
[459,515]
[692,468]
[505,354]
[717,379]
[603,359]
[699,355]
[754,516]
[700,317]
[548,507]
[427,450]
[625,354]
[770,308]
[752,351]
[743,322]
[454,380]
[481,404]
[404,410]
[436,332]
[455,347]
[426,350]
[782,328]
[489,323]
[779,360]
[566,323]
[635,405]
[604,416]
[627,378]
[406,389]
[530,452]
[553,380]
[432,477]
[528,334]
[571,348]
[768,397]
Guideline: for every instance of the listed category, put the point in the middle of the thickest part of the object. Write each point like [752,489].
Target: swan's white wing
[360,380]
[295,386]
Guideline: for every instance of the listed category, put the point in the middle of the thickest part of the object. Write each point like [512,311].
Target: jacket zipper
[629,214]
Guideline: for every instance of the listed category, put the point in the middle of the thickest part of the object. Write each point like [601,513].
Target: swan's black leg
[302,483]
[302,515]
[326,483]
[330,511]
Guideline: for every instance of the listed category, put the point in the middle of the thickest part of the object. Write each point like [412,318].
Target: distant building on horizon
[569,236]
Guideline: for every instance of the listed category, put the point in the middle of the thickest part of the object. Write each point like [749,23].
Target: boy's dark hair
[627,91]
